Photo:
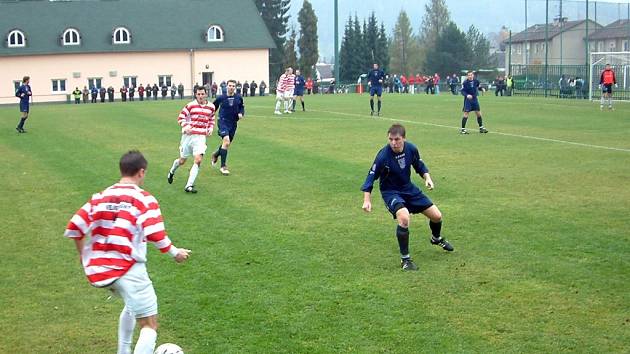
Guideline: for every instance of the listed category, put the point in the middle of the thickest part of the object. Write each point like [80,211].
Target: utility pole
[336,42]
[546,45]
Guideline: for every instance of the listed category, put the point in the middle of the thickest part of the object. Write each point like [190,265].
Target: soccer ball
[169,348]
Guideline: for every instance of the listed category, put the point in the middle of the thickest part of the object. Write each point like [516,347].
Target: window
[129,81]
[94,82]
[600,46]
[215,34]
[16,84]
[164,80]
[518,49]
[59,85]
[71,37]
[16,39]
[625,46]
[121,36]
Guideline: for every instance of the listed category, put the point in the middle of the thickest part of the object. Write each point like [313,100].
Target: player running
[197,122]
[470,91]
[231,108]
[401,196]
[606,81]
[24,93]
[375,81]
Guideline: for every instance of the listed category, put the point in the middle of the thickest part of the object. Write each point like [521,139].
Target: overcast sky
[487,15]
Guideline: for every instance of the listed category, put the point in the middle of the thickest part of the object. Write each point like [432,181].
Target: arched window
[215,34]
[121,36]
[71,37]
[16,38]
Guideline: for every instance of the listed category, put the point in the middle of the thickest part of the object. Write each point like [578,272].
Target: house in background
[66,44]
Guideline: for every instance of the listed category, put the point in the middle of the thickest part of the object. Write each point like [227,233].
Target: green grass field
[284,259]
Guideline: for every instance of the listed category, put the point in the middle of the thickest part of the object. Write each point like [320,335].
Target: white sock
[609,101]
[126,324]
[146,341]
[286,105]
[601,101]
[278,105]
[175,166]
[194,170]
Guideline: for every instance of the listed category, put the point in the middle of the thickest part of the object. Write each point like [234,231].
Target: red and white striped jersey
[119,221]
[289,82]
[199,117]
[280,87]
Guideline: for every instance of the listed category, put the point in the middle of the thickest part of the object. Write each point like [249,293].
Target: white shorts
[192,145]
[279,95]
[137,291]
[288,95]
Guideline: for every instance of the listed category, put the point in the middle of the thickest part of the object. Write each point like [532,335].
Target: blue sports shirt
[299,83]
[24,93]
[470,87]
[229,107]
[394,170]
[374,75]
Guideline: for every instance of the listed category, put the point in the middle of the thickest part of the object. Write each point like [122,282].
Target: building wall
[184,66]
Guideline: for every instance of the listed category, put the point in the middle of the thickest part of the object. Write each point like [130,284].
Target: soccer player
[470,91]
[24,93]
[299,90]
[280,88]
[401,196]
[118,222]
[231,108]
[375,81]
[197,122]
[606,81]
[289,87]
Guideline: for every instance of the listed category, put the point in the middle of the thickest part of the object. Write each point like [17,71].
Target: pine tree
[275,15]
[480,48]
[309,52]
[436,18]
[454,54]
[346,52]
[382,49]
[290,55]
[404,50]
[371,38]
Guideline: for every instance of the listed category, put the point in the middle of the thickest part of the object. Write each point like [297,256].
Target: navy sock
[379,106]
[303,105]
[464,120]
[21,124]
[436,228]
[372,104]
[223,154]
[293,105]
[402,234]
[480,121]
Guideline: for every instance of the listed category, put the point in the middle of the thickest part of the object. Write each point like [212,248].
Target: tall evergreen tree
[436,18]
[275,15]
[480,48]
[290,55]
[454,54]
[381,51]
[359,55]
[371,38]
[309,52]
[404,50]
[346,52]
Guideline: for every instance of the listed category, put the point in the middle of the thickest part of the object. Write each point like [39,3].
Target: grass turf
[284,259]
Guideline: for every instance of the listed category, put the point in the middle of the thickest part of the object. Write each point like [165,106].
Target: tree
[290,56]
[274,14]
[454,54]
[371,38]
[436,18]
[309,52]
[480,48]
[381,52]
[346,52]
[404,49]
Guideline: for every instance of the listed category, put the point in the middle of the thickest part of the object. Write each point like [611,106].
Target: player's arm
[184,120]
[152,226]
[241,109]
[601,79]
[79,225]
[421,168]
[368,185]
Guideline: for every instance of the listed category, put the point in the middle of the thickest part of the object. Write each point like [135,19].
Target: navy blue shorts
[415,203]
[607,88]
[471,105]
[227,130]
[378,90]
[298,92]
[24,106]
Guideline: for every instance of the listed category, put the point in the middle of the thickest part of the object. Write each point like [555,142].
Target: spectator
[262,88]
[223,87]
[430,88]
[579,88]
[141,92]
[252,88]
[245,88]
[77,95]
[404,85]
[309,85]
[510,85]
[101,93]
[436,83]
[173,91]
[412,84]
[94,92]
[110,94]
[180,91]
[155,90]
[148,90]
[86,94]
[123,93]
[213,89]
[500,86]
[453,84]
[132,92]
[239,87]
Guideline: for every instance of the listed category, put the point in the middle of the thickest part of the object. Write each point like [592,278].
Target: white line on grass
[493,132]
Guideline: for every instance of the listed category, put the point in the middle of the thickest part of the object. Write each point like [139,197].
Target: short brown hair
[397,129]
[132,162]
[26,78]
[199,88]
[232,80]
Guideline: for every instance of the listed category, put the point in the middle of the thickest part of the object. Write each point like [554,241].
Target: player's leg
[610,97]
[482,129]
[148,335]
[279,100]
[435,224]
[302,103]
[372,92]
[402,235]
[223,151]
[379,93]
[23,118]
[602,98]
[293,103]
[185,151]
[126,325]
[464,120]
[194,171]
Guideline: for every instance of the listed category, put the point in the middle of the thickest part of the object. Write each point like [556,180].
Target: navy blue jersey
[24,93]
[394,170]
[374,76]
[470,87]
[229,107]
[299,83]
